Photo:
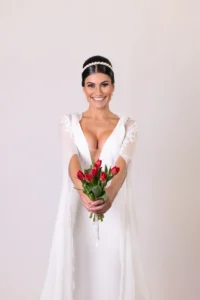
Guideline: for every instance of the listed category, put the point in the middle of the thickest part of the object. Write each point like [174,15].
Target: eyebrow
[101,82]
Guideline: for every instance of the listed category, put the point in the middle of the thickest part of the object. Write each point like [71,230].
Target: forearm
[118,179]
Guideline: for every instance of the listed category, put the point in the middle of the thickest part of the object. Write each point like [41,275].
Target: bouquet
[94,181]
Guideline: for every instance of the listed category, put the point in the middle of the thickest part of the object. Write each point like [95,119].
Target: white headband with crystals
[97,63]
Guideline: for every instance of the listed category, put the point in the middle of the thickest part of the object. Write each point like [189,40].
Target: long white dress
[78,269]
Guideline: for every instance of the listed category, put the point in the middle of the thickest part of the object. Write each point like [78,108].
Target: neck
[97,114]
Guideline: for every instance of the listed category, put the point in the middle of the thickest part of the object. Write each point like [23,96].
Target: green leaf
[95,181]
[99,172]
[104,196]
[110,177]
[91,195]
[106,169]
[87,189]
[97,190]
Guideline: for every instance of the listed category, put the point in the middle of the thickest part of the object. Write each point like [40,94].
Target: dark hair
[97,68]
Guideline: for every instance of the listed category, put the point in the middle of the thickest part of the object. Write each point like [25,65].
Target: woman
[78,270]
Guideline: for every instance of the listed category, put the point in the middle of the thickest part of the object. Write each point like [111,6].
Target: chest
[107,137]
[97,132]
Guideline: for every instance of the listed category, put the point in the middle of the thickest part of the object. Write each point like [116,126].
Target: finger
[98,202]
[86,199]
[87,205]
[88,209]
[88,202]
[98,208]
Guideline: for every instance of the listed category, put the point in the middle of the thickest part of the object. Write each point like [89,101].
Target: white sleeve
[129,143]
[67,139]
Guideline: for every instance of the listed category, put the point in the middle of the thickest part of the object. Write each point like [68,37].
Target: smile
[98,98]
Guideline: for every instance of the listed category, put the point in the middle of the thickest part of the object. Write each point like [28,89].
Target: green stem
[78,189]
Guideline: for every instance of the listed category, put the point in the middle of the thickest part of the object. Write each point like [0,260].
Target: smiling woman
[98,87]
[78,270]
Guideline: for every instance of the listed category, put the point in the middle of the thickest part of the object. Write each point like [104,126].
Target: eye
[90,85]
[104,84]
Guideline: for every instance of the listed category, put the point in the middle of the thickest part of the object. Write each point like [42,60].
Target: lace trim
[130,135]
[65,120]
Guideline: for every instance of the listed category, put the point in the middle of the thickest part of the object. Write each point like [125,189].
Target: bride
[78,269]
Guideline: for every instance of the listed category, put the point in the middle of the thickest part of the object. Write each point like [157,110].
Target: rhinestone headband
[97,63]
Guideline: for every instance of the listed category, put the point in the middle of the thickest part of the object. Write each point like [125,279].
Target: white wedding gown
[78,269]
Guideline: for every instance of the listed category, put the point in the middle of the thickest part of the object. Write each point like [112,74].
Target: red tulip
[114,170]
[103,176]
[94,171]
[96,167]
[88,177]
[98,163]
[80,175]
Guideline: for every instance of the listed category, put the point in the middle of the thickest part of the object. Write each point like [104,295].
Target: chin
[100,104]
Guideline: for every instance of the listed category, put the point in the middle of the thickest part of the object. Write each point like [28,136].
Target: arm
[125,156]
[118,180]
[70,158]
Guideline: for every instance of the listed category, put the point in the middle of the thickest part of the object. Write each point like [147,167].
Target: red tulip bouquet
[94,180]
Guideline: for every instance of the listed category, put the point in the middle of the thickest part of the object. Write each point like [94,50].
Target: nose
[98,90]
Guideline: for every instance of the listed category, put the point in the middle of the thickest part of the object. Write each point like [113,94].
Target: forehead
[97,77]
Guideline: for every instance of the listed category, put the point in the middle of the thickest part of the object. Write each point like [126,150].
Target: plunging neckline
[80,116]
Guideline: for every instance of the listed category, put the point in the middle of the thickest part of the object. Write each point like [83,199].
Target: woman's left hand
[102,208]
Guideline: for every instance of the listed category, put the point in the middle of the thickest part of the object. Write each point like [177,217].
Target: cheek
[88,92]
[109,91]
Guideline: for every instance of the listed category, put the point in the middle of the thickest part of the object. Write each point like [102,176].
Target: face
[98,89]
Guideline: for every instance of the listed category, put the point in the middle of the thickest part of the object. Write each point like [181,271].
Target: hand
[88,203]
[100,206]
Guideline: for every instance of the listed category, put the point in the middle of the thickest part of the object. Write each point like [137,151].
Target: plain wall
[154,47]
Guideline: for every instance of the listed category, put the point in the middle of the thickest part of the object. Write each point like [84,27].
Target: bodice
[110,148]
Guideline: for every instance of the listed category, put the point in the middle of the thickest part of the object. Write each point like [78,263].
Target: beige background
[154,47]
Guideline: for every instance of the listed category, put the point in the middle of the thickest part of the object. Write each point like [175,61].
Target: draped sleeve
[59,281]
[131,263]
[128,146]
[68,145]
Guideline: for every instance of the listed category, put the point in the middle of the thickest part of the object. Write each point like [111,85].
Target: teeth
[98,99]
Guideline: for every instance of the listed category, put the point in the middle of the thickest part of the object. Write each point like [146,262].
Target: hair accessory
[97,63]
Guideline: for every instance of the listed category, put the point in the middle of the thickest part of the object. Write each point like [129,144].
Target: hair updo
[97,68]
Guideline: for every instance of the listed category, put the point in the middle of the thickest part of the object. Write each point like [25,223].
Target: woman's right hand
[88,203]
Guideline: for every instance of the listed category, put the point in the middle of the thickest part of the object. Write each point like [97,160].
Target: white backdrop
[154,47]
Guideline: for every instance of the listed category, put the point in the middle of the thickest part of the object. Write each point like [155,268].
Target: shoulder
[131,128]
[130,122]
[66,122]
[68,117]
